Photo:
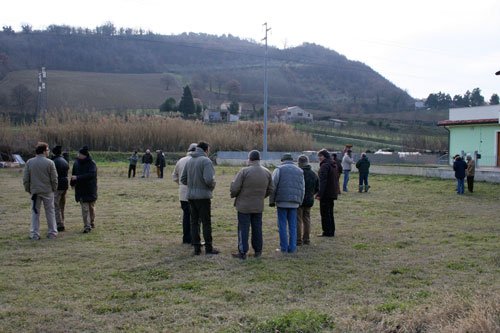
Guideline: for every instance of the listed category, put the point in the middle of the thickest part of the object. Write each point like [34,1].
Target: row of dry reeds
[127,133]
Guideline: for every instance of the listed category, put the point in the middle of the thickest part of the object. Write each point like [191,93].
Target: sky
[422,46]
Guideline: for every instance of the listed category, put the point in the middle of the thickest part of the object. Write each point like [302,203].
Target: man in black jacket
[328,191]
[62,168]
[84,179]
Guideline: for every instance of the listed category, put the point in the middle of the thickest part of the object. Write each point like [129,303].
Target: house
[293,114]
[221,115]
[337,123]
[475,131]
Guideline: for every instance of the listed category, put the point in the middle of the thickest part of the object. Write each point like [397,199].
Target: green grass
[408,256]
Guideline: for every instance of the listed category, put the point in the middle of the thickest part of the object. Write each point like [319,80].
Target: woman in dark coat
[84,181]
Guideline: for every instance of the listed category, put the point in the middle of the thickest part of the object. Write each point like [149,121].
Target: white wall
[475,113]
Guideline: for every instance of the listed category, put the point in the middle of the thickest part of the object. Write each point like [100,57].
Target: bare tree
[22,98]
[168,80]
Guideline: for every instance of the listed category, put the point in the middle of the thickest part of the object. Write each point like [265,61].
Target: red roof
[468,122]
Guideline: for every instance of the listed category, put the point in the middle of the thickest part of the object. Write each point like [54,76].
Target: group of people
[47,181]
[291,188]
[462,170]
[147,161]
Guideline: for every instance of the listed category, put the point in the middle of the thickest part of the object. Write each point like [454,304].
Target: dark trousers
[131,170]
[470,183]
[245,221]
[200,214]
[186,223]
[327,218]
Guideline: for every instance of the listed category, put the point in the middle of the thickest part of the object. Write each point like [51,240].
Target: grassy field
[409,256]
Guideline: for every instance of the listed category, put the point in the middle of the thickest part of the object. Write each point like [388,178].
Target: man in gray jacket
[250,187]
[40,180]
[289,189]
[199,176]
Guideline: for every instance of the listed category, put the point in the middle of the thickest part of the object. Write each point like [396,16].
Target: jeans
[200,214]
[245,221]
[363,179]
[146,169]
[186,223]
[346,180]
[327,218]
[287,217]
[303,225]
[48,205]
[460,185]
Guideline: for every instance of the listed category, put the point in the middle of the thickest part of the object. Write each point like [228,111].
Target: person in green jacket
[363,166]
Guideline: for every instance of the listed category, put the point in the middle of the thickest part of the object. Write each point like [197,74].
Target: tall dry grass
[130,132]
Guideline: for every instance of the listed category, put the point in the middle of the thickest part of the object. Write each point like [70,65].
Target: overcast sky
[422,46]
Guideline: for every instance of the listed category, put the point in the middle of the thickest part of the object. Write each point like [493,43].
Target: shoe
[239,255]
[92,225]
[307,242]
[60,228]
[257,254]
[87,230]
[196,252]
[51,236]
[212,251]
[35,237]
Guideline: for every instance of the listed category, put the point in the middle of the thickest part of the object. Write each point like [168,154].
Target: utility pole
[41,107]
[264,149]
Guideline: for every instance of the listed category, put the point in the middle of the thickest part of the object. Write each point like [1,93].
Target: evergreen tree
[186,105]
[494,100]
[233,108]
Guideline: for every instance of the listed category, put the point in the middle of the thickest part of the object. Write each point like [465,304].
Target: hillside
[309,75]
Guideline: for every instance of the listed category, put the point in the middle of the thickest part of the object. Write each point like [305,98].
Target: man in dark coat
[328,191]
[62,168]
[160,163]
[84,180]
[147,160]
[363,166]
[459,166]
[311,182]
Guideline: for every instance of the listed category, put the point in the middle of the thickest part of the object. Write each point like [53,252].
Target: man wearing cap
[84,180]
[288,194]
[199,176]
[176,175]
[328,191]
[132,165]
[62,168]
[250,187]
[40,180]
[347,162]
[311,184]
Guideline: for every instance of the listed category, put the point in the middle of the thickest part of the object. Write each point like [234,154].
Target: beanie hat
[303,161]
[254,155]
[84,151]
[287,157]
[57,150]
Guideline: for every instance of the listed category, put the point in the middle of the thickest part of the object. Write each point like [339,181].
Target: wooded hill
[309,75]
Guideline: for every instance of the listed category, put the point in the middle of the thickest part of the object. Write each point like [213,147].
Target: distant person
[84,180]
[340,169]
[347,162]
[471,171]
[147,160]
[250,187]
[132,165]
[199,176]
[460,167]
[65,155]
[62,168]
[176,176]
[328,191]
[363,166]
[160,163]
[311,187]
[40,180]
[288,194]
